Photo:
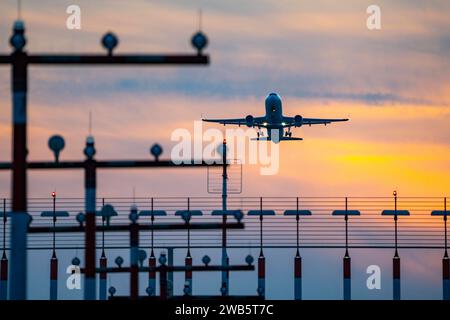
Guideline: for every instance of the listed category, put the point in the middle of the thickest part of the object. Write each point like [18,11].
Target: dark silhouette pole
[297,259]
[225,261]
[106,213]
[396,259]
[54,259]
[90,191]
[347,268]
[151,289]
[445,259]
[4,261]
[54,214]
[134,252]
[261,259]
[186,215]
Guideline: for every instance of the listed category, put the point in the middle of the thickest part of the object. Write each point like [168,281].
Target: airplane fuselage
[274,111]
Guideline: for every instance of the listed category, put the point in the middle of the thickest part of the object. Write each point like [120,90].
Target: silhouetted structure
[319,230]
[19,61]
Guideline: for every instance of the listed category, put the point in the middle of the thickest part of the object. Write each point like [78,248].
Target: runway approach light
[76,261]
[156,150]
[142,255]
[110,42]
[89,150]
[112,291]
[199,41]
[206,260]
[18,40]
[56,144]
[107,212]
[150,291]
[80,218]
[162,259]
[133,216]
[119,261]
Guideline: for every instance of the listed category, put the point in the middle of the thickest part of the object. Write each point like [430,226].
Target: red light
[53,194]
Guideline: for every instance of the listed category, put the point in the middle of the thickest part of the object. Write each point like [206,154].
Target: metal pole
[396,241]
[298,262]
[4,261]
[54,259]
[54,221]
[346,226]
[152,260]
[347,277]
[225,260]
[18,283]
[445,260]
[188,260]
[54,277]
[103,263]
[103,277]
[152,274]
[188,276]
[4,278]
[90,207]
[445,226]
[152,218]
[396,259]
[396,277]
[170,272]
[347,260]
[261,259]
[297,218]
[260,227]
[163,281]
[134,261]
[20,217]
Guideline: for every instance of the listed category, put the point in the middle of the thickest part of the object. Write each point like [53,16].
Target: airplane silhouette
[274,120]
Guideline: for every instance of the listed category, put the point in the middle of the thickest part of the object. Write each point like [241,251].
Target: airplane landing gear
[288,133]
[260,134]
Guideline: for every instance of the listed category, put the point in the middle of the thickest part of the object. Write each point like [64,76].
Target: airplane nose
[272,102]
[273,96]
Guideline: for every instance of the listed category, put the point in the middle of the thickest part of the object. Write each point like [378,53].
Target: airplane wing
[310,121]
[257,121]
[290,121]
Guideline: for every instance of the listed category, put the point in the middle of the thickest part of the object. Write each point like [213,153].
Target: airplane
[274,120]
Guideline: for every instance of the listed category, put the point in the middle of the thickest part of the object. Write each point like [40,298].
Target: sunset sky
[393,84]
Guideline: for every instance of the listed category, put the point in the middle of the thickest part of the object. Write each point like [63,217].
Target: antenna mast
[19,9]
[90,122]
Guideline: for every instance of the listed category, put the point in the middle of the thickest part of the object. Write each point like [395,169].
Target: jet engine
[249,121]
[298,121]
